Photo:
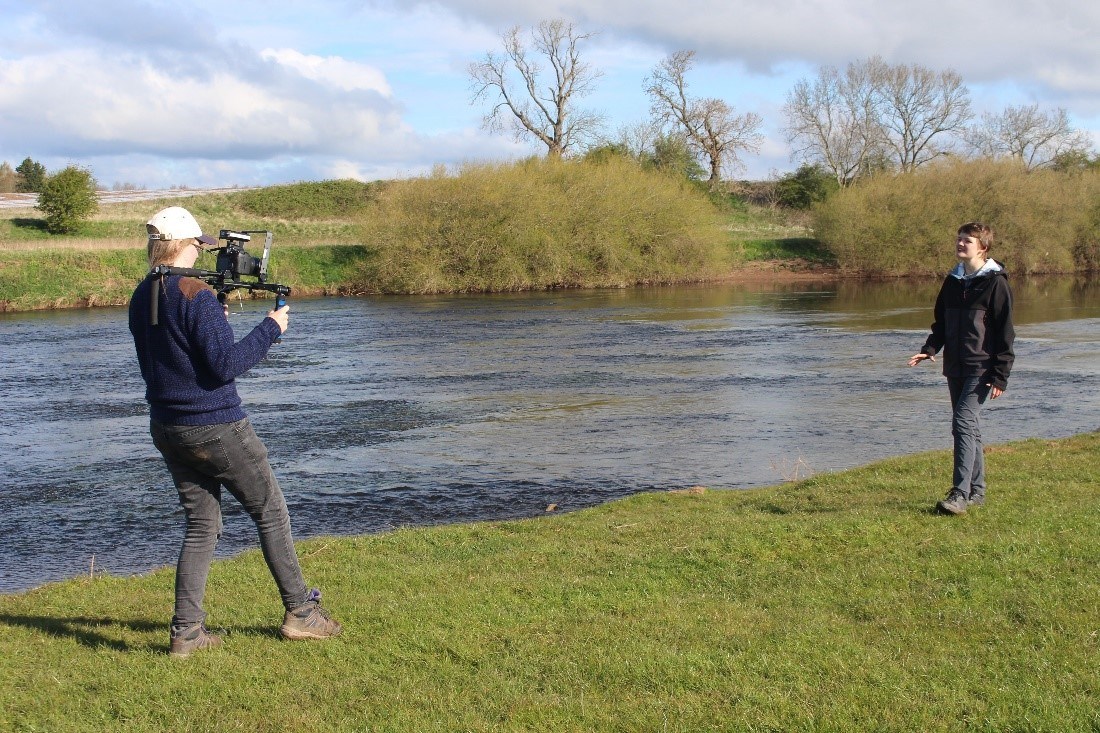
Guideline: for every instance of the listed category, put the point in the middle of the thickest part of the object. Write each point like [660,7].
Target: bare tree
[1036,138]
[638,138]
[542,107]
[832,122]
[918,110]
[7,178]
[712,129]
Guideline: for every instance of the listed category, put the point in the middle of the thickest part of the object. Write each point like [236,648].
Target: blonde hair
[165,251]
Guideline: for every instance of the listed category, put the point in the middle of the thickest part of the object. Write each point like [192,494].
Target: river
[389,412]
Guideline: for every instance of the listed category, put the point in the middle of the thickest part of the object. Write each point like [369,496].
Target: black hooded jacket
[973,326]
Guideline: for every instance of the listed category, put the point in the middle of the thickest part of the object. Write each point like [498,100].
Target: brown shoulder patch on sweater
[192,286]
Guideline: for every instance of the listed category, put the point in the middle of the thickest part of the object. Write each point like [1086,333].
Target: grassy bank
[303,214]
[533,225]
[66,278]
[836,603]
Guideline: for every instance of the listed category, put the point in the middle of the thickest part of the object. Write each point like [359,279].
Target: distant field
[28,200]
[119,223]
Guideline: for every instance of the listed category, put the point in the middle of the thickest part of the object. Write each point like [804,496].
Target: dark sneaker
[976,500]
[309,621]
[953,504]
[192,639]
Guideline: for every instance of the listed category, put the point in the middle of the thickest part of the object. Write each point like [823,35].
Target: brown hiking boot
[309,621]
[192,639]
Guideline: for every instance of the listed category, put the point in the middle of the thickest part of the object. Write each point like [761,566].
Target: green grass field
[837,603]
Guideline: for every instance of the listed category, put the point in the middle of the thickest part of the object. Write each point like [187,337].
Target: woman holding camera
[189,360]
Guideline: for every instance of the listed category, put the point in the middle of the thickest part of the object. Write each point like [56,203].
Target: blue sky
[208,93]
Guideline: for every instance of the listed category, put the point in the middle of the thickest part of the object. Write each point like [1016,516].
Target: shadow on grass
[26,228]
[793,248]
[96,632]
[87,630]
[34,225]
[344,254]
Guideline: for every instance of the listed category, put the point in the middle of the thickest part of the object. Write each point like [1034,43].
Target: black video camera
[234,261]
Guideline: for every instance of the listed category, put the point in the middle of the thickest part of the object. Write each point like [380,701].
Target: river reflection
[400,411]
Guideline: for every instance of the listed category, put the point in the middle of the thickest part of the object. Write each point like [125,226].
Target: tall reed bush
[540,224]
[1045,221]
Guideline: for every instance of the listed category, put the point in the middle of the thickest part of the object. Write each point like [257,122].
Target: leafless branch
[1036,138]
[713,129]
[544,106]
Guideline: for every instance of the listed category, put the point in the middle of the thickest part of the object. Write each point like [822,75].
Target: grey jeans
[968,394]
[201,460]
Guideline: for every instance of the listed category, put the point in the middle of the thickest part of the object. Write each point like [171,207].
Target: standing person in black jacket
[973,326]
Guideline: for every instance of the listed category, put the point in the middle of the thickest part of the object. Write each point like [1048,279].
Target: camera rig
[233,263]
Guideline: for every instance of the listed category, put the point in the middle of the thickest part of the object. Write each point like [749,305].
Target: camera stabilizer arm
[222,282]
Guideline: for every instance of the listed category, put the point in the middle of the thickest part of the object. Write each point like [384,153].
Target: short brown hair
[979,231]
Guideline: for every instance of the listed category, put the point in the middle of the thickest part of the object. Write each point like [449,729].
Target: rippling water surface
[388,412]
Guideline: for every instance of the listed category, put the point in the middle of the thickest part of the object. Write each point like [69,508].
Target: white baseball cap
[176,222]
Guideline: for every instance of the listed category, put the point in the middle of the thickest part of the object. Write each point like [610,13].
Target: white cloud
[331,71]
[268,90]
[80,100]
[982,39]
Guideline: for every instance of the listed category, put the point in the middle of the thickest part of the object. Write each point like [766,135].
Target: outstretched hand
[918,358]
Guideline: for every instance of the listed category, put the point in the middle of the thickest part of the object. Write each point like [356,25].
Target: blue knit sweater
[189,360]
